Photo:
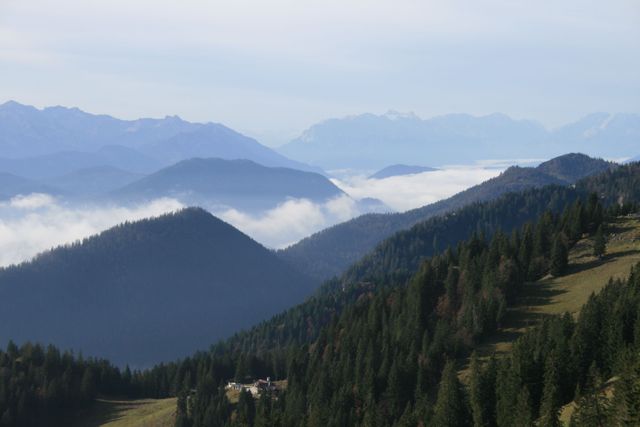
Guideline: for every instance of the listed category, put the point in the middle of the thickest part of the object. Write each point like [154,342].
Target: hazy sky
[272,68]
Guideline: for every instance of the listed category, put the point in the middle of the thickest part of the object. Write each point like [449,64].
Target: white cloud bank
[292,220]
[296,219]
[30,224]
[33,223]
[411,191]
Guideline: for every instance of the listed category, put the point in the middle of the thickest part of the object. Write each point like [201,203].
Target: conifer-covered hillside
[148,291]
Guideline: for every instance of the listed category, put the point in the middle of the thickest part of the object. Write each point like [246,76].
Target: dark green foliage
[369,349]
[599,243]
[330,252]
[479,392]
[593,406]
[523,414]
[559,256]
[375,352]
[246,409]
[551,403]
[44,387]
[451,409]
[378,360]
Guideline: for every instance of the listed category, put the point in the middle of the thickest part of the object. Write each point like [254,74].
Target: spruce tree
[550,406]
[451,407]
[559,257]
[523,416]
[477,398]
[246,409]
[599,244]
[593,405]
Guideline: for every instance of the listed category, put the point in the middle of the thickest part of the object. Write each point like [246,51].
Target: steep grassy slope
[129,413]
[556,295]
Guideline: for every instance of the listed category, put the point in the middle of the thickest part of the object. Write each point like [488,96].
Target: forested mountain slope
[402,254]
[386,359]
[380,354]
[147,291]
[329,252]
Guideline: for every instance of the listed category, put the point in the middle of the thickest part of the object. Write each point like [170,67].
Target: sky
[271,69]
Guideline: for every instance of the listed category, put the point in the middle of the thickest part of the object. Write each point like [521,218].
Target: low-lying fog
[32,223]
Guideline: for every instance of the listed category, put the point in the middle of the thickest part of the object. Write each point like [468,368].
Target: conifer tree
[246,409]
[477,397]
[599,244]
[593,405]
[550,405]
[451,407]
[626,399]
[559,257]
[523,416]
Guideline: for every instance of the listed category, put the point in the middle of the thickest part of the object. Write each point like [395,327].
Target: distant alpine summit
[400,170]
[55,136]
[371,141]
[239,184]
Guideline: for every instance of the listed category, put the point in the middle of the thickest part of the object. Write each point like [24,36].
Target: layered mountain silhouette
[400,170]
[240,184]
[330,251]
[26,131]
[12,185]
[370,141]
[93,181]
[147,291]
[47,166]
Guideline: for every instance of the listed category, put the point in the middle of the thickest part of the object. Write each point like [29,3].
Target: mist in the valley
[30,224]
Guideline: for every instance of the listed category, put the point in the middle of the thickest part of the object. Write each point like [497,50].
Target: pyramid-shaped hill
[147,291]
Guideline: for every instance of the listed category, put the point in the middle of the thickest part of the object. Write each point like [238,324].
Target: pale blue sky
[272,68]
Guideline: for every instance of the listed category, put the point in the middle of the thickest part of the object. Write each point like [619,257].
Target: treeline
[379,361]
[42,386]
[557,362]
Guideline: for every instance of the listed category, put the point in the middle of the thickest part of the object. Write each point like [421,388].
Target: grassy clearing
[586,275]
[130,413]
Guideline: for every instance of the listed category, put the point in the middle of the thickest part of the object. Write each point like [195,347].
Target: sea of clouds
[30,224]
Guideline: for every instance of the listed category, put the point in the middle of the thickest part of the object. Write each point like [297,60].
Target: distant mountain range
[147,291]
[12,185]
[64,162]
[370,141]
[400,170]
[93,181]
[239,184]
[328,252]
[142,145]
